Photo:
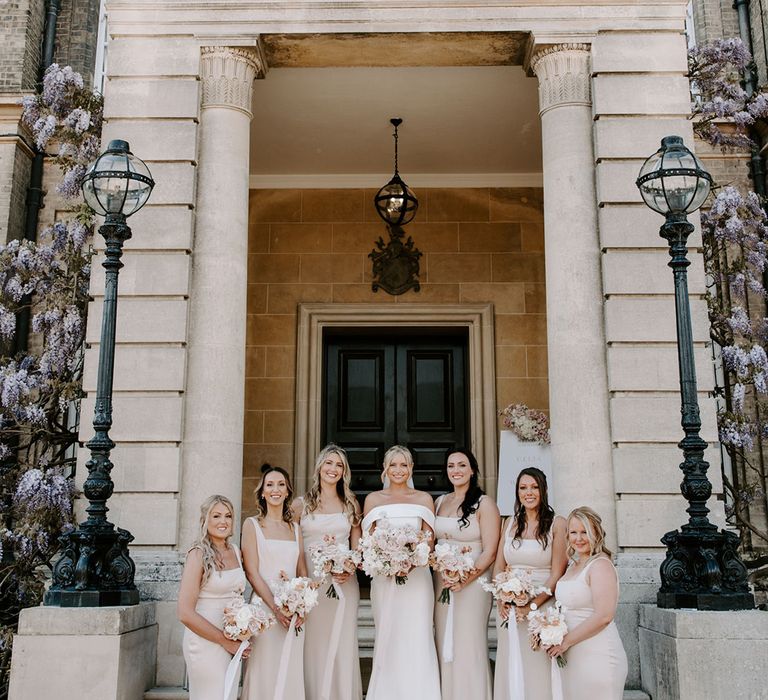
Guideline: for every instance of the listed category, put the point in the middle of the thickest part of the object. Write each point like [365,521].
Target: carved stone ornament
[395,264]
[563,71]
[227,74]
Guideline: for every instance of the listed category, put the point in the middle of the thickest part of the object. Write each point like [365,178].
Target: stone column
[212,447]
[578,388]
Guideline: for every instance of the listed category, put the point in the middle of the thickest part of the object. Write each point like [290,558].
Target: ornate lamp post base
[703,571]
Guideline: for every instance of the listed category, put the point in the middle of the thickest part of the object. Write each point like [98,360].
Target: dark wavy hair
[471,501]
[546,512]
[261,502]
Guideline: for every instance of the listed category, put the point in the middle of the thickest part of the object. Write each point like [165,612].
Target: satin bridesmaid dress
[207,661]
[331,663]
[596,668]
[404,659]
[263,665]
[530,555]
[468,675]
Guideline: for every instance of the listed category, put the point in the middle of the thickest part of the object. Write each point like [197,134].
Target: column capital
[563,71]
[227,75]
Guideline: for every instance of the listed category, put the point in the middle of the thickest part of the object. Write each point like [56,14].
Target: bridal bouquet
[513,587]
[330,557]
[394,551]
[547,628]
[295,596]
[453,563]
[245,620]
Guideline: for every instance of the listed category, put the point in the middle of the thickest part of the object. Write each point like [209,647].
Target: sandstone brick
[460,204]
[273,268]
[266,206]
[489,237]
[280,361]
[332,205]
[518,267]
[300,238]
[332,268]
[271,329]
[269,394]
[459,267]
[507,298]
[524,204]
[521,329]
[510,361]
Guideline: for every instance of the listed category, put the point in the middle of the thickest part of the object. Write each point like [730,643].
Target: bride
[404,658]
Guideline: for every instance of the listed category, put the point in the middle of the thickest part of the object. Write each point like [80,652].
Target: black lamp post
[395,202]
[95,568]
[702,568]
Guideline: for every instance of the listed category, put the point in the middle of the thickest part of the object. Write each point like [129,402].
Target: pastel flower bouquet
[245,620]
[547,628]
[295,597]
[394,551]
[526,423]
[330,557]
[513,587]
[454,563]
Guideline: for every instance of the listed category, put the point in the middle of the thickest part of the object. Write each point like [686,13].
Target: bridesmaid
[534,539]
[404,658]
[271,544]
[331,664]
[213,575]
[589,592]
[466,517]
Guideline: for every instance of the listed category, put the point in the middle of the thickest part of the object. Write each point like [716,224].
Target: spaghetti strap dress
[404,658]
[331,663]
[530,555]
[207,661]
[262,667]
[468,674]
[596,668]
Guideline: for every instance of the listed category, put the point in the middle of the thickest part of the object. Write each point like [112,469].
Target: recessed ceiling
[472,122]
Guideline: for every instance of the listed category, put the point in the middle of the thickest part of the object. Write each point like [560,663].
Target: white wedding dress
[404,657]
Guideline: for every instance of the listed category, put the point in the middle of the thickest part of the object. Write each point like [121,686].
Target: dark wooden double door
[385,387]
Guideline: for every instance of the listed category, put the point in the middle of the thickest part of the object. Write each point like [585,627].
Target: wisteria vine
[40,388]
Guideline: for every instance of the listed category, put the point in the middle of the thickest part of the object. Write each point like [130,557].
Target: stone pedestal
[687,654]
[76,653]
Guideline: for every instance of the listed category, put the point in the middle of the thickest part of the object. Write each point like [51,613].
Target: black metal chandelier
[395,202]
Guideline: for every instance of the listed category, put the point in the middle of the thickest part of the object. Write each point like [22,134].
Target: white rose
[551,636]
[243,617]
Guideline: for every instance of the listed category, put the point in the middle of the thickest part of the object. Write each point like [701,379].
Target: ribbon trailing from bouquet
[382,636]
[285,657]
[333,645]
[557,681]
[232,676]
[515,658]
[447,650]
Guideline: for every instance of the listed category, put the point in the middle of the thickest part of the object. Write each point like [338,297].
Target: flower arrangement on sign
[394,551]
[547,628]
[528,424]
[513,587]
[455,565]
[330,557]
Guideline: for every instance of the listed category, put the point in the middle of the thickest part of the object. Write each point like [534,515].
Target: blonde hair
[389,455]
[348,500]
[593,525]
[212,560]
[261,502]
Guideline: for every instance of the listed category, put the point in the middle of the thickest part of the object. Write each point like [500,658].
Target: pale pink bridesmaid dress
[207,661]
[261,669]
[596,668]
[331,663]
[468,675]
[530,555]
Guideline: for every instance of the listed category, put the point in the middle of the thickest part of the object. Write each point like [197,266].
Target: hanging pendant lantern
[395,202]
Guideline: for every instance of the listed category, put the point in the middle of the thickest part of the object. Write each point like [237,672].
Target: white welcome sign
[515,455]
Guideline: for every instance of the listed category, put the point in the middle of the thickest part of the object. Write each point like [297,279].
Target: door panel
[382,390]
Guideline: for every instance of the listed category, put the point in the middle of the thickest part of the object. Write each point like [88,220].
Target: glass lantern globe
[396,203]
[117,182]
[673,181]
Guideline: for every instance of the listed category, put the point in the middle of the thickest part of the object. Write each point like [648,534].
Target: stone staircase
[365,637]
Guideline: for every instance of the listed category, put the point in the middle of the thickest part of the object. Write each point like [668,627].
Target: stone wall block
[637,226]
[153,139]
[652,367]
[635,137]
[646,272]
[147,274]
[651,319]
[639,52]
[151,518]
[140,368]
[653,419]
[148,56]
[654,468]
[174,182]
[616,180]
[142,321]
[171,98]
[138,418]
[145,468]
[158,227]
[641,94]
